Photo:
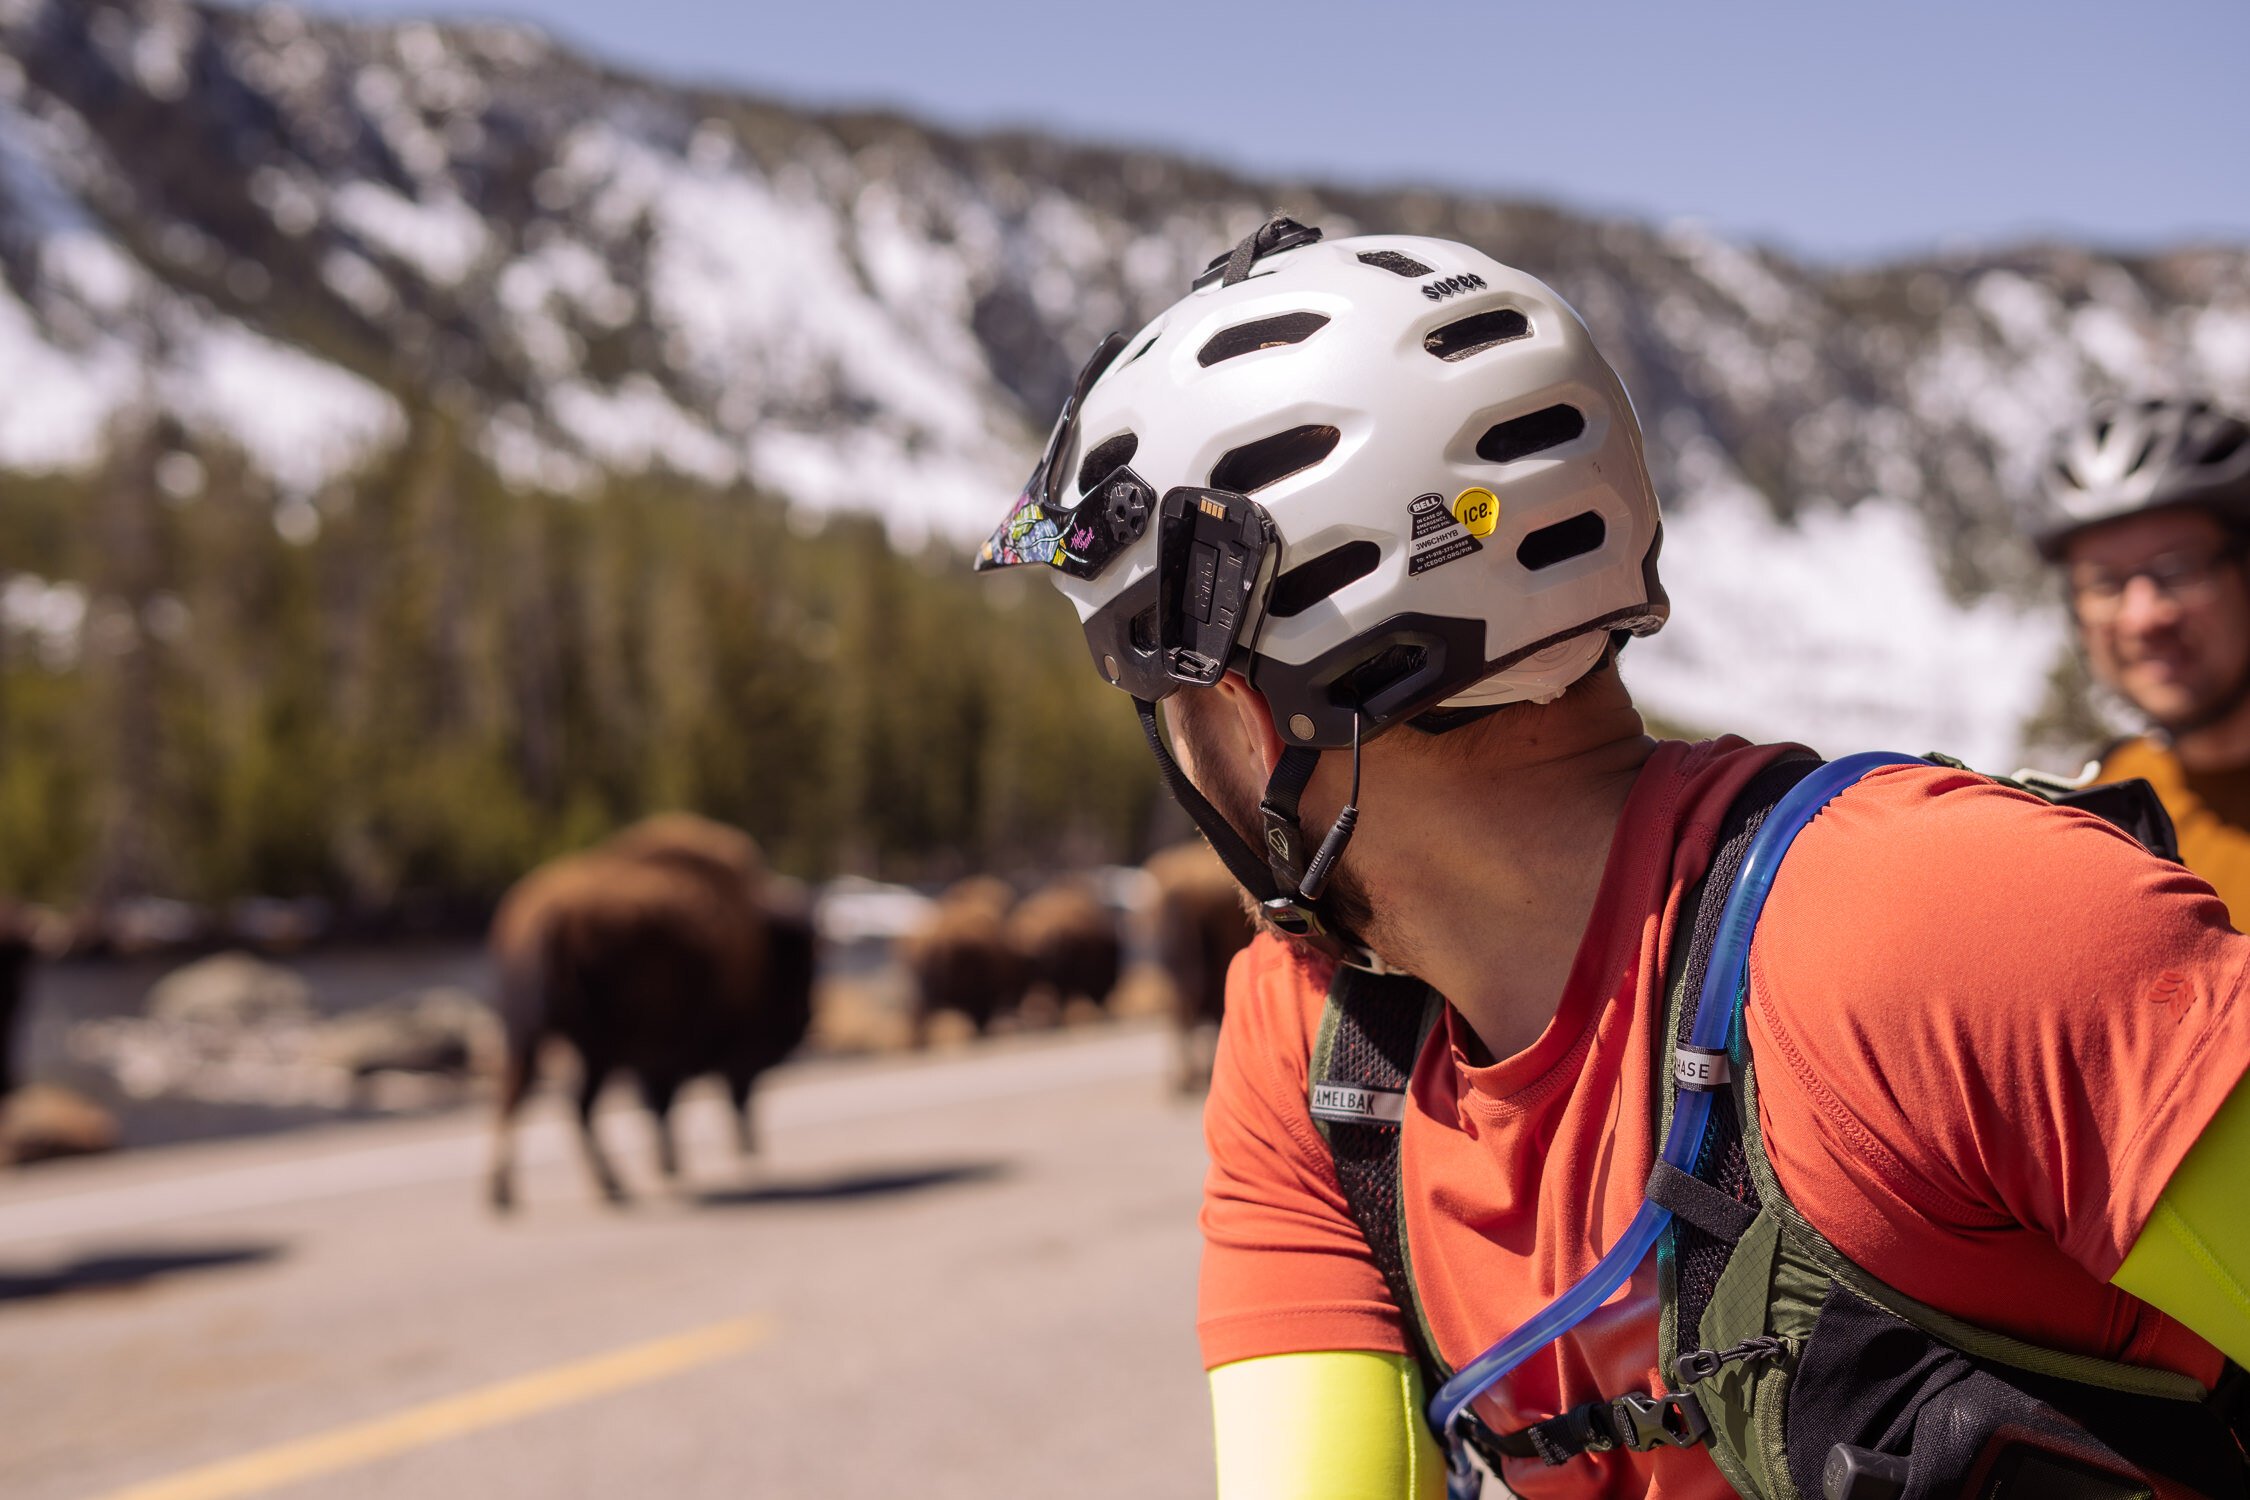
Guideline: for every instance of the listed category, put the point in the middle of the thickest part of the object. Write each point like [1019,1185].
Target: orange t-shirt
[1942,963]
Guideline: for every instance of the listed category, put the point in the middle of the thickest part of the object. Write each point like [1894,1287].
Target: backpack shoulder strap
[1690,1195]
[1372,1029]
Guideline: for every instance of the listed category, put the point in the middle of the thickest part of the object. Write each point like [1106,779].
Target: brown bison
[663,952]
[960,959]
[1069,943]
[1201,922]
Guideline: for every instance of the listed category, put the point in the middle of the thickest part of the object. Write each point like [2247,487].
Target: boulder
[42,1121]
[443,1031]
[232,990]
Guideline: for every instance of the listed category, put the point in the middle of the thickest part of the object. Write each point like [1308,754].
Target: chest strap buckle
[1636,1421]
[1671,1421]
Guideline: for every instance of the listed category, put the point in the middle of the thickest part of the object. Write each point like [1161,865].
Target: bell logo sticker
[1478,510]
[1439,536]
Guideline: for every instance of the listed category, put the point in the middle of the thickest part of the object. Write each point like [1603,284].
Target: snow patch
[919,495]
[355,279]
[1735,271]
[299,419]
[638,427]
[88,266]
[525,460]
[51,616]
[166,35]
[59,401]
[751,281]
[2221,340]
[442,237]
[1835,632]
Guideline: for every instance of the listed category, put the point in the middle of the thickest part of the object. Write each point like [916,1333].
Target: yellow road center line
[454,1416]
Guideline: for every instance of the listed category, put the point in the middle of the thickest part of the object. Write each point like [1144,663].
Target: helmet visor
[1045,525]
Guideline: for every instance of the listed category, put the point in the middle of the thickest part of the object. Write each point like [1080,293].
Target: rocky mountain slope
[291,232]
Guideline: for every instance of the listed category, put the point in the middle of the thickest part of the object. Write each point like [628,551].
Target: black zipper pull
[1702,1364]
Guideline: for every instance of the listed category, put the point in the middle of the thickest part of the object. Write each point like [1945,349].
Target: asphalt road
[966,1275]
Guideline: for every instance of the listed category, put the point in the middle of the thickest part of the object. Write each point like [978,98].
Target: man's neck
[1485,877]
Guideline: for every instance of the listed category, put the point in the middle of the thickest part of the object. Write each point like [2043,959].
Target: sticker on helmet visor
[1080,538]
[1081,541]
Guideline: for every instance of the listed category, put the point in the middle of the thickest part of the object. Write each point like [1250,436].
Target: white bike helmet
[1378,476]
[2127,457]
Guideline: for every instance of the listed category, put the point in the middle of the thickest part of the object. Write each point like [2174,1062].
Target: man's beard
[2216,709]
[1345,900]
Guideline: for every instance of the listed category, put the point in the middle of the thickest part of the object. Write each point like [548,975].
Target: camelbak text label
[1352,1105]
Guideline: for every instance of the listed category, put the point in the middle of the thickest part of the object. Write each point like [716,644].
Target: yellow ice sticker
[1477,509]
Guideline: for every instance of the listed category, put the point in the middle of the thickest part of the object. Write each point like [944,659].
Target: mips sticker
[1478,509]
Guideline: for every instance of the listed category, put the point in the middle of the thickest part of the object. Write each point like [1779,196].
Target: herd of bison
[668,953]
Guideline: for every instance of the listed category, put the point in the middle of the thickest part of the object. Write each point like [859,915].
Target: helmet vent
[1384,670]
[2068,475]
[1266,333]
[1137,353]
[1393,262]
[2140,459]
[1253,466]
[1108,456]
[1535,432]
[1581,534]
[1304,586]
[2228,445]
[1474,335]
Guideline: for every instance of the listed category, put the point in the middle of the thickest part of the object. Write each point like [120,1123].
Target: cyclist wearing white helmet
[2148,514]
[1370,520]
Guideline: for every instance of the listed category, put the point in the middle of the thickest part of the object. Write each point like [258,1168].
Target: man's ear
[1252,717]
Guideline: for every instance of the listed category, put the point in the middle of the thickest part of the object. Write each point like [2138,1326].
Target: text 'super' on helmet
[1448,499]
[2127,457]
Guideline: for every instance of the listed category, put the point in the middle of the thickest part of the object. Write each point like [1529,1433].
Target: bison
[960,959]
[1201,923]
[1068,943]
[665,952]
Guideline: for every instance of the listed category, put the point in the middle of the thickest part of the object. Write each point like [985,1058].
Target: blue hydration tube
[1724,986]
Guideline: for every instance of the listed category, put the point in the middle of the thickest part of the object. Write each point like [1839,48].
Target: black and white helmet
[1454,478]
[2132,456]
[1377,476]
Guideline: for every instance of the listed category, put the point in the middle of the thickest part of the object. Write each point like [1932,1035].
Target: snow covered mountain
[288,232]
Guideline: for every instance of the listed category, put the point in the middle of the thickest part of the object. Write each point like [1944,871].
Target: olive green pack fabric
[1746,1335]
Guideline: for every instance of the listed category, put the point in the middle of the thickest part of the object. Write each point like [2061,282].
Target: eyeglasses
[2179,577]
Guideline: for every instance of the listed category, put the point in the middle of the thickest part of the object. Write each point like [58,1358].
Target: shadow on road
[845,1187]
[110,1272]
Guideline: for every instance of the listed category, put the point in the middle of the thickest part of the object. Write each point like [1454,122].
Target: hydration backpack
[1807,1378]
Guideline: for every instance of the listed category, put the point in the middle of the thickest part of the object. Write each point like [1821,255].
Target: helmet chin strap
[1289,889]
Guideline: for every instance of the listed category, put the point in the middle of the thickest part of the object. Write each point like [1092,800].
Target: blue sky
[1847,132]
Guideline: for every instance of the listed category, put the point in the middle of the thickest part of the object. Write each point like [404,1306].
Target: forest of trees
[418,683]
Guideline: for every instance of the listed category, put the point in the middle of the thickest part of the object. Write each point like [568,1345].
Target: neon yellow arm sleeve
[2193,1256]
[1338,1425]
